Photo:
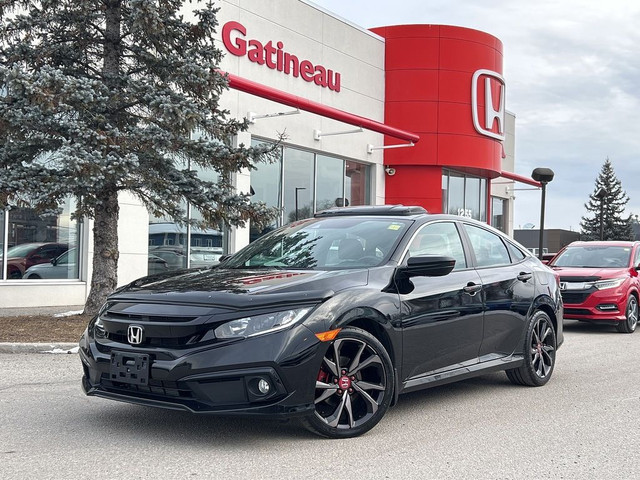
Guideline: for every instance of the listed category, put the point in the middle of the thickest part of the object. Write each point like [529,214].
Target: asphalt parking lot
[583,424]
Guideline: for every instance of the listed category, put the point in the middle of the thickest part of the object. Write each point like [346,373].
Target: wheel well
[375,329]
[549,311]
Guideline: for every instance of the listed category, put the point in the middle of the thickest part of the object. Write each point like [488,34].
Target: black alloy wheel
[354,386]
[539,353]
[631,313]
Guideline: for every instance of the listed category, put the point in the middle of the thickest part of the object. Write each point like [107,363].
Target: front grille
[155,387]
[575,298]
[169,342]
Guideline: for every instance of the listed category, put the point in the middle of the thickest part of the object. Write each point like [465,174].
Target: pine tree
[103,96]
[613,202]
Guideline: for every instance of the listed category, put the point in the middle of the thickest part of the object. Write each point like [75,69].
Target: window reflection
[298,184]
[330,182]
[41,247]
[301,183]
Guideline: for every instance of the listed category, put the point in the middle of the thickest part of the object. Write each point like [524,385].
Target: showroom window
[173,245]
[301,182]
[36,247]
[464,195]
[498,213]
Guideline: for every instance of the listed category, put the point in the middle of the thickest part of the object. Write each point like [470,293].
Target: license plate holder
[131,368]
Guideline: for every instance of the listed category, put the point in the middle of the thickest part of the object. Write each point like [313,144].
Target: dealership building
[403,114]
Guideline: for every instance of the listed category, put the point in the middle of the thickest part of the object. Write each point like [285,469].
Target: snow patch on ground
[60,350]
[68,314]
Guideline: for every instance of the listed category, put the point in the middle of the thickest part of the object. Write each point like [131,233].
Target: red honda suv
[599,282]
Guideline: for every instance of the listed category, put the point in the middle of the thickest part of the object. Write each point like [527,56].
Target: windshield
[327,243]
[596,256]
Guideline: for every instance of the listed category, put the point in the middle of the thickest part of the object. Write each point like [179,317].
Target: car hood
[241,288]
[589,274]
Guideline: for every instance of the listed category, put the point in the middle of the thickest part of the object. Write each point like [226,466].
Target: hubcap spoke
[336,355]
[369,386]
[546,333]
[356,358]
[332,366]
[347,404]
[334,419]
[366,363]
[367,397]
[329,389]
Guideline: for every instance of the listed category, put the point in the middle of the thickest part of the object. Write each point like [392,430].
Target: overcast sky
[572,69]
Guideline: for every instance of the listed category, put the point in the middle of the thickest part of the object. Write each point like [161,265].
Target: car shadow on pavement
[184,428]
[585,327]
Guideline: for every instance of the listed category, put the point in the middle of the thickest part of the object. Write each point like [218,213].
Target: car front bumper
[215,379]
[607,306]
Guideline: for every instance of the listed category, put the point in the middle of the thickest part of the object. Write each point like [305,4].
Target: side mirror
[54,261]
[429,266]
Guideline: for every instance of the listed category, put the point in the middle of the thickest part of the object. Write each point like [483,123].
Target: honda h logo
[563,285]
[134,334]
[492,85]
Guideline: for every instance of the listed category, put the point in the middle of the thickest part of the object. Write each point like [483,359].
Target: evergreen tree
[613,202]
[103,96]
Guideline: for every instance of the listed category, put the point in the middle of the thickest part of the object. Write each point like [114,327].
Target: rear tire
[539,353]
[631,313]
[354,386]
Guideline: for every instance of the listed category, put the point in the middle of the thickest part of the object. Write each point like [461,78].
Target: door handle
[524,276]
[472,288]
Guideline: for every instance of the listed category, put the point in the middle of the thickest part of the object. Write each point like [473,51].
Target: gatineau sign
[273,56]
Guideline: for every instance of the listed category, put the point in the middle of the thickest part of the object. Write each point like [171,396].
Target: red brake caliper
[322,376]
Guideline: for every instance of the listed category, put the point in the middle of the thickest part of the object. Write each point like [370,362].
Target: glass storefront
[173,245]
[302,182]
[498,213]
[464,195]
[39,247]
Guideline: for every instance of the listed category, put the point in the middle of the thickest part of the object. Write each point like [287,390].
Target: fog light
[263,386]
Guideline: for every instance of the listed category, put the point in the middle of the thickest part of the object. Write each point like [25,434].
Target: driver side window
[440,238]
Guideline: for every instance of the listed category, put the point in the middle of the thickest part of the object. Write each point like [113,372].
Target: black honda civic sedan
[329,319]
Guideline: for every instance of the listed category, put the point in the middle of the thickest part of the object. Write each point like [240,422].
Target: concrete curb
[38,347]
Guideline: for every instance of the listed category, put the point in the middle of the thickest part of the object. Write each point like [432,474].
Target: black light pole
[602,195]
[297,189]
[544,176]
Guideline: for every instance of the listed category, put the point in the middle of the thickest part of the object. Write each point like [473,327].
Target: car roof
[603,243]
[372,210]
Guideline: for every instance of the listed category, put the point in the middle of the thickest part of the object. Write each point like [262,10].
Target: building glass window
[358,184]
[464,195]
[455,200]
[170,241]
[2,243]
[498,211]
[313,181]
[38,246]
[298,184]
[329,182]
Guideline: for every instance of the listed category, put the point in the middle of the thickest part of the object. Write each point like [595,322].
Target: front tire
[631,313]
[354,386]
[539,353]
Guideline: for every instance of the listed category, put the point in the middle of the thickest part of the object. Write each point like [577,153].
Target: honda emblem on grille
[563,285]
[134,334]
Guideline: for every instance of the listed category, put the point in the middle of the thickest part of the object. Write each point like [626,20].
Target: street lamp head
[542,175]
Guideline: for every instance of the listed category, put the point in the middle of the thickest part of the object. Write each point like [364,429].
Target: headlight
[260,324]
[612,283]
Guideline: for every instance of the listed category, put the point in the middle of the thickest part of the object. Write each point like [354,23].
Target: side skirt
[427,381]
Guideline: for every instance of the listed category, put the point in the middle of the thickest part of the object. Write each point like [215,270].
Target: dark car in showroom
[329,319]
[599,282]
